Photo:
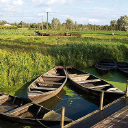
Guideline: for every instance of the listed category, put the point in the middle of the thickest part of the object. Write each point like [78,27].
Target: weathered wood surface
[97,116]
[48,82]
[116,120]
[3,98]
[89,81]
[43,88]
[100,86]
[19,110]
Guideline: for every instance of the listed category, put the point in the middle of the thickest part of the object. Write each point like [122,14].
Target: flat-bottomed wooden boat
[47,85]
[92,84]
[122,67]
[105,66]
[19,110]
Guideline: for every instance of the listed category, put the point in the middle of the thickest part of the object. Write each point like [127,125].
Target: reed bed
[24,57]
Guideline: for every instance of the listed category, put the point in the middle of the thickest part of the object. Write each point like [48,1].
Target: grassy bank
[23,57]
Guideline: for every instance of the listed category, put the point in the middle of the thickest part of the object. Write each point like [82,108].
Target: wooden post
[62,117]
[126,89]
[101,100]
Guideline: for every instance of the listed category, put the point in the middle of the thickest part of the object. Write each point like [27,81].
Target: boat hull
[53,81]
[96,92]
[105,66]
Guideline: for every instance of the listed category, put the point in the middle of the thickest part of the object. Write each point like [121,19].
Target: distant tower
[47,20]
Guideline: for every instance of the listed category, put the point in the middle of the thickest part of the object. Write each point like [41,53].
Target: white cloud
[40,14]
[48,10]
[94,20]
[4,1]
[17,2]
[51,2]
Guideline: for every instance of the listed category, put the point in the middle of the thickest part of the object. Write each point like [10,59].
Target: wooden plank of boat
[19,110]
[53,76]
[106,66]
[89,81]
[123,68]
[3,98]
[48,82]
[100,86]
[43,88]
[78,75]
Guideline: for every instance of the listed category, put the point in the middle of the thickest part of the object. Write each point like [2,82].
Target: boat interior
[49,81]
[90,81]
[14,106]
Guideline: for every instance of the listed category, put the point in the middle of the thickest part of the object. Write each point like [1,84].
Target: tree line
[121,25]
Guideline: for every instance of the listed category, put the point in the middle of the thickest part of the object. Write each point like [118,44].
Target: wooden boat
[92,84]
[105,66]
[19,110]
[122,67]
[47,85]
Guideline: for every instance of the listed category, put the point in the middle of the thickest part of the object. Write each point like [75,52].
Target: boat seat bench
[100,86]
[19,110]
[54,76]
[43,88]
[80,75]
[89,81]
[48,82]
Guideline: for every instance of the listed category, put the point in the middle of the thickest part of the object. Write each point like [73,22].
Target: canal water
[76,103]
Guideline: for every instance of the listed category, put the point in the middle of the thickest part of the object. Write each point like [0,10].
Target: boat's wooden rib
[19,110]
[92,84]
[105,66]
[47,85]
[122,67]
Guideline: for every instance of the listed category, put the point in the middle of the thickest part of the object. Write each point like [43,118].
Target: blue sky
[99,12]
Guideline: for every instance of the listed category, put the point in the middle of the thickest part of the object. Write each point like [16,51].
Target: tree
[56,23]
[69,23]
[113,23]
[3,22]
[122,23]
[76,25]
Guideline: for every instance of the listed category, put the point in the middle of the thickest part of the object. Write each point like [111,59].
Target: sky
[98,12]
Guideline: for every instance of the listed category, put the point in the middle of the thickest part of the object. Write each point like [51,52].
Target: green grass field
[24,57]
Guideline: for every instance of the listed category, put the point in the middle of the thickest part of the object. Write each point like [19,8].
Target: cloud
[17,2]
[40,14]
[48,10]
[51,2]
[4,1]
[94,20]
